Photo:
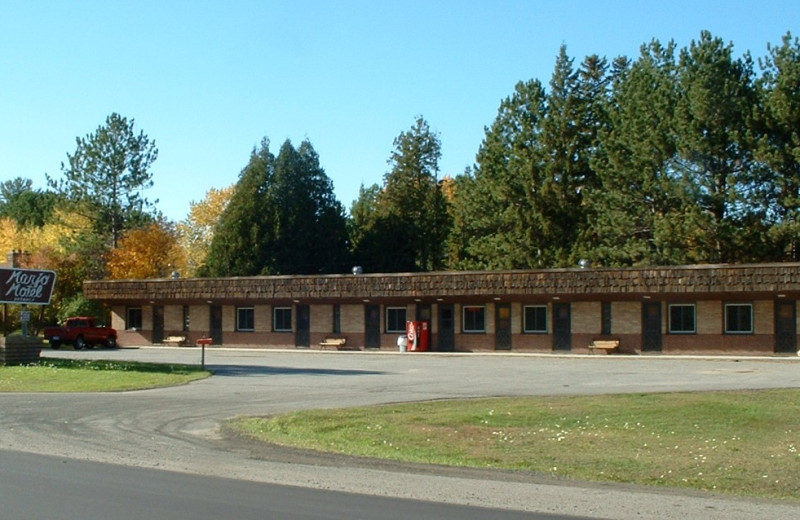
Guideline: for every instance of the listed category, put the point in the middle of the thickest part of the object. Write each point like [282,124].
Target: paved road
[69,489]
[177,429]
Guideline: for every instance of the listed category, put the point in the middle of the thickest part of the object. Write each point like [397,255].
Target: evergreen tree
[107,174]
[498,206]
[281,219]
[381,243]
[779,143]
[576,113]
[407,220]
[27,206]
[310,226]
[642,213]
[243,238]
[522,206]
[715,152]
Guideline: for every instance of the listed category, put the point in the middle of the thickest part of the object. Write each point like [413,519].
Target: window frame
[751,318]
[130,323]
[399,327]
[605,319]
[245,319]
[465,323]
[673,327]
[337,318]
[186,318]
[526,328]
[278,325]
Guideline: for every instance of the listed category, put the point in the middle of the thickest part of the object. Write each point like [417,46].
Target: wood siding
[697,282]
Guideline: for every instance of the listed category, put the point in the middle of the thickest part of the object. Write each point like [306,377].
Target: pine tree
[641,214]
[107,174]
[779,143]
[497,208]
[715,152]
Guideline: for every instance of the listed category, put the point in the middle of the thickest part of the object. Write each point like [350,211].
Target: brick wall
[709,317]
[586,318]
[626,318]
[352,317]
[19,350]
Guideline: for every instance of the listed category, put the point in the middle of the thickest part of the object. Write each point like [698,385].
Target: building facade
[714,309]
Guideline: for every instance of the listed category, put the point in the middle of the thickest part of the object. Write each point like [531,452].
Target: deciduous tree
[149,252]
[196,231]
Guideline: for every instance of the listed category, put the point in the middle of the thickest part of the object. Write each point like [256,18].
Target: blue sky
[207,80]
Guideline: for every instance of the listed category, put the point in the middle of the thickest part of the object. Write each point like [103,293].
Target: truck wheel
[79,343]
[111,342]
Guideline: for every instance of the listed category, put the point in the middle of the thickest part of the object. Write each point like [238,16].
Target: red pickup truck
[81,332]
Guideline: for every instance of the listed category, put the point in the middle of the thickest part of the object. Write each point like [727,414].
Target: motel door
[372,326]
[447,328]
[302,335]
[651,327]
[785,327]
[562,327]
[215,324]
[158,324]
[502,326]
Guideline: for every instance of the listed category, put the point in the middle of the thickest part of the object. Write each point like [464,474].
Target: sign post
[25,318]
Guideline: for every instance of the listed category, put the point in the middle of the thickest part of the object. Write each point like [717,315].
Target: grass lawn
[66,375]
[743,443]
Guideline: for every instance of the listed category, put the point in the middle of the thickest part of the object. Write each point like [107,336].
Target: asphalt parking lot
[179,428]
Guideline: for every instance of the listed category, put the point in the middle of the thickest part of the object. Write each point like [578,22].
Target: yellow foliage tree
[9,236]
[197,230]
[64,228]
[149,252]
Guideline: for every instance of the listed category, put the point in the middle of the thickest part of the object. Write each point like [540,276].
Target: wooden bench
[606,345]
[338,342]
[177,341]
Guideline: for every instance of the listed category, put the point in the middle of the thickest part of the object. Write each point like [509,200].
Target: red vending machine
[418,336]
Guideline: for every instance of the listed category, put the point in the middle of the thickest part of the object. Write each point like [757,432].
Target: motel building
[698,309]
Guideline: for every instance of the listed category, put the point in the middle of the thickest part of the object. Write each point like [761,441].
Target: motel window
[337,319]
[282,319]
[395,319]
[185,318]
[536,319]
[245,319]
[682,319]
[473,318]
[133,318]
[605,318]
[738,318]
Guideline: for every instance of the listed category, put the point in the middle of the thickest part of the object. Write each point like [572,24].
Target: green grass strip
[743,443]
[74,375]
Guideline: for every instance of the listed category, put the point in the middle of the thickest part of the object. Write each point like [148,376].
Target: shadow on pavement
[248,370]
